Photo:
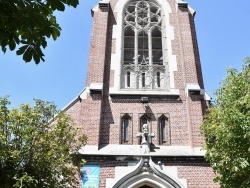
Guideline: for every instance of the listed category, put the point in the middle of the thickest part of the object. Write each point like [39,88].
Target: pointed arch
[126,129]
[122,59]
[146,172]
[142,46]
[163,129]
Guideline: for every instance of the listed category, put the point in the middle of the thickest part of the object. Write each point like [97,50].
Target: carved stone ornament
[145,137]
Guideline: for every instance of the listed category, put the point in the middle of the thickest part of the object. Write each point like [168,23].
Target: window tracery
[143,47]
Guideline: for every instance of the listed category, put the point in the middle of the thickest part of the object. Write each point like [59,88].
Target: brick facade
[198,175]
[99,115]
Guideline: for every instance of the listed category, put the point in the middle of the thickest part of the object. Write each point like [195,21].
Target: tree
[226,129]
[28,24]
[36,149]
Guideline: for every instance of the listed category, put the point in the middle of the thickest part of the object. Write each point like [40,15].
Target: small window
[128,79]
[143,79]
[163,130]
[158,77]
[126,129]
[144,121]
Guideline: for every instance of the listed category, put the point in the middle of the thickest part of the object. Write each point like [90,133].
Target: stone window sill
[141,92]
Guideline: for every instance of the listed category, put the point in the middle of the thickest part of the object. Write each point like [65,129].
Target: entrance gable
[147,174]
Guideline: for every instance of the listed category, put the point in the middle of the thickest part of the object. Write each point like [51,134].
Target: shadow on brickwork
[106,114]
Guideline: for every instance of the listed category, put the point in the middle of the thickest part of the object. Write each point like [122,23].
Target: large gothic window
[143,65]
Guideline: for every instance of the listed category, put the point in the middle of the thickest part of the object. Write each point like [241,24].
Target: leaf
[12,45]
[55,34]
[36,58]
[37,22]
[38,54]
[44,43]
[42,59]
[73,3]
[24,42]
[59,6]
[16,39]
[4,49]
[24,36]
[27,56]
[22,49]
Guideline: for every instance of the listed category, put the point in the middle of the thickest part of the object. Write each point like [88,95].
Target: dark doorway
[145,186]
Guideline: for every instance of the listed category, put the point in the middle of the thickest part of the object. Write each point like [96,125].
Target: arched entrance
[147,174]
[146,185]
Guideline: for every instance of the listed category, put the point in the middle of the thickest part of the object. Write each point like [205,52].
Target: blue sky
[222,27]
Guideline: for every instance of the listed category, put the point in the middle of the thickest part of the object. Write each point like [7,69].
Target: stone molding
[135,150]
[146,172]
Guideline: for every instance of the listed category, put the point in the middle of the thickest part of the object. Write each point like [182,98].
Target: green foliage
[36,147]
[227,130]
[28,24]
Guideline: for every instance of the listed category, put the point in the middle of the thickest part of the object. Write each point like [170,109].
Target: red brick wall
[92,106]
[198,175]
[86,116]
[97,48]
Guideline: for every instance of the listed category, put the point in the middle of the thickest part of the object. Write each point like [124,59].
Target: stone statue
[146,137]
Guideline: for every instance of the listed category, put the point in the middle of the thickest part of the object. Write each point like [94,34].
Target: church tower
[144,100]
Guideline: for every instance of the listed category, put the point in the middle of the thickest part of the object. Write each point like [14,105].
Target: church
[144,100]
